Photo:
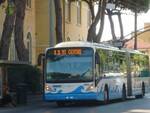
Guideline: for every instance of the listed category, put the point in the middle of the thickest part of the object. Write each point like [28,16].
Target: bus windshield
[69,65]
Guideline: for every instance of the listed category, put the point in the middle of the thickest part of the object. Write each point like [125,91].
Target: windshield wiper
[84,73]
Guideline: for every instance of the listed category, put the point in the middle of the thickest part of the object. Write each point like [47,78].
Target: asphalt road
[128,106]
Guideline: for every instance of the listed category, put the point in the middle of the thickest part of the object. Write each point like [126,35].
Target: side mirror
[41,58]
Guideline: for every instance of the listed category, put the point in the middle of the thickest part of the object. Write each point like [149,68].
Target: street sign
[110,6]
[118,43]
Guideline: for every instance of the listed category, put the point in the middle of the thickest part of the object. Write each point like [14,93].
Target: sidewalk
[34,99]
[33,102]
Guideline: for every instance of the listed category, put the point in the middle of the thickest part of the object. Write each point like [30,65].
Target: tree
[136,6]
[110,13]
[22,52]
[99,17]
[102,20]
[91,37]
[141,5]
[14,20]
[6,33]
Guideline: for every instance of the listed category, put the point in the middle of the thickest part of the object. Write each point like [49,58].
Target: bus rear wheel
[142,91]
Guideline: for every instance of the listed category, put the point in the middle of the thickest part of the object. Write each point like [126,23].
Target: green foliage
[135,5]
[10,9]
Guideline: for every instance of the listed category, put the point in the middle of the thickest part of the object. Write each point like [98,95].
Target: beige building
[29,31]
[39,25]
[76,20]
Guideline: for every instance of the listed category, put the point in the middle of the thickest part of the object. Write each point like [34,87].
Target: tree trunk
[92,30]
[91,7]
[121,26]
[58,11]
[22,52]
[99,35]
[111,24]
[6,36]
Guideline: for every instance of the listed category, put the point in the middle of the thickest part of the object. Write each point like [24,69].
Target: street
[129,106]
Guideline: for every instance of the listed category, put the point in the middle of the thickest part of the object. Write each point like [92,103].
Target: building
[76,20]
[143,40]
[29,31]
[39,25]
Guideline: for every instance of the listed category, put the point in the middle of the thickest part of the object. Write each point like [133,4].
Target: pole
[129,80]
[52,35]
[135,31]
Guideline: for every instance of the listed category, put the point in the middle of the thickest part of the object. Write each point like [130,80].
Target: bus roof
[94,46]
[85,44]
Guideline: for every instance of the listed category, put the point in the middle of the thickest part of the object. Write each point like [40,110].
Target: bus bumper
[69,97]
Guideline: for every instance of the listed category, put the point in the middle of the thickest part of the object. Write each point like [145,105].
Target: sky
[128,24]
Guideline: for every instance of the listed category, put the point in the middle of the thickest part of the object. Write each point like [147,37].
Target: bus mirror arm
[97,79]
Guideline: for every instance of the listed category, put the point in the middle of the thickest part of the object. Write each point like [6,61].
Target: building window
[28,3]
[89,19]
[78,12]
[29,46]
[12,50]
[67,10]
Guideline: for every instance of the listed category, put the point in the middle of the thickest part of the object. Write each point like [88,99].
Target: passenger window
[97,64]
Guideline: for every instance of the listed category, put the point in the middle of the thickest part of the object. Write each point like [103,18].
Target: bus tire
[143,89]
[124,96]
[106,95]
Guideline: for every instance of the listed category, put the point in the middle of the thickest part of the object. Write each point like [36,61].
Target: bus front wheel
[143,89]
[124,96]
[106,94]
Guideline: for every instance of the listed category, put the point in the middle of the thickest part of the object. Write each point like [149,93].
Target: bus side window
[97,66]
[97,62]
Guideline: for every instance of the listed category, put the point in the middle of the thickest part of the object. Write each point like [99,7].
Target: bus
[84,71]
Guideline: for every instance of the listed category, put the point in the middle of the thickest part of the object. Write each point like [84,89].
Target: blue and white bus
[81,71]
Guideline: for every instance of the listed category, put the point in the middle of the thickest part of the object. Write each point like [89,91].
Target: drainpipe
[64,39]
[52,35]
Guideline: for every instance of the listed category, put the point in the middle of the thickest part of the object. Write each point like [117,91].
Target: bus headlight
[90,87]
[48,88]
